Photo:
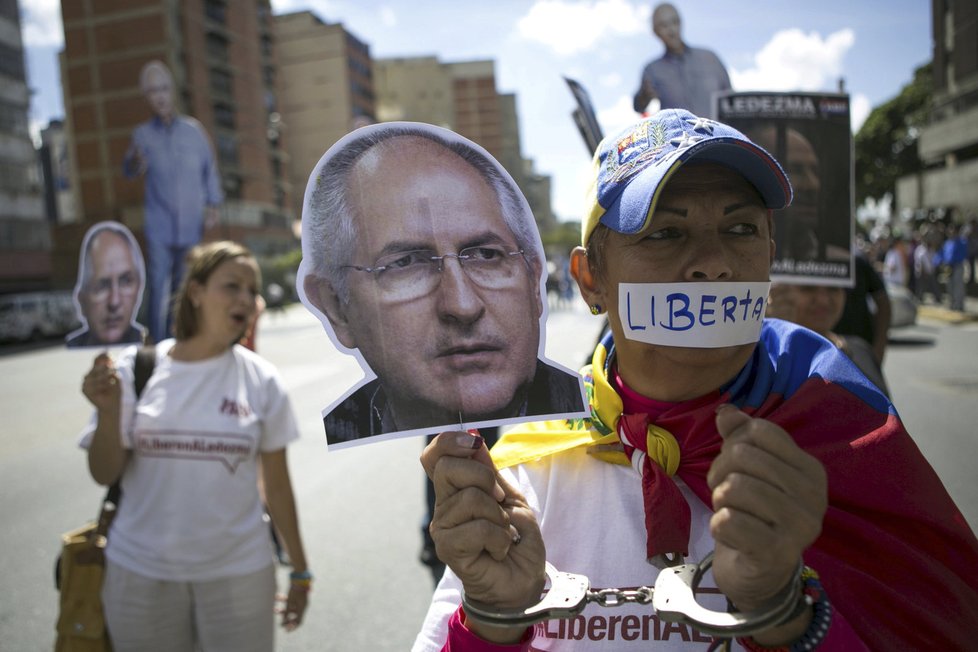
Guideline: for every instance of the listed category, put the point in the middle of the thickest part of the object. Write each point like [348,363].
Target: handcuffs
[672,598]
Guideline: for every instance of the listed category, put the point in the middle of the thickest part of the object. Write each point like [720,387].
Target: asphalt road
[361,508]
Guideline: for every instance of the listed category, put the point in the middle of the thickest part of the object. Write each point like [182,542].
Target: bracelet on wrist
[301,580]
[813,597]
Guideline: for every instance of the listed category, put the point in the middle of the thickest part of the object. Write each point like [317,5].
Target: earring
[596,309]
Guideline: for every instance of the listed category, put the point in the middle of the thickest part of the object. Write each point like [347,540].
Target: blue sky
[604,44]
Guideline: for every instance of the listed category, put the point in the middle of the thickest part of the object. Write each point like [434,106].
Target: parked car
[34,315]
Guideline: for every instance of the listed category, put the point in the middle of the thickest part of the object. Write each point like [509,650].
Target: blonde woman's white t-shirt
[190,508]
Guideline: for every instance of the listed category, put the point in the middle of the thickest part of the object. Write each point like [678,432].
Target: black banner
[810,135]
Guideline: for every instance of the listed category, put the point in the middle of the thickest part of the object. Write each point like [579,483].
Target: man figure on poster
[796,234]
[109,288]
[421,258]
[182,189]
[683,77]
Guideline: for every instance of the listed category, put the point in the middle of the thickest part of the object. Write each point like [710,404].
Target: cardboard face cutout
[809,134]
[109,288]
[422,260]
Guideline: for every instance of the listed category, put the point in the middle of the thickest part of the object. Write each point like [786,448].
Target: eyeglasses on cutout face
[408,275]
[123,284]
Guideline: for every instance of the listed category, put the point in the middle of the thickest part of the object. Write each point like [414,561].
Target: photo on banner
[810,135]
[109,288]
[422,260]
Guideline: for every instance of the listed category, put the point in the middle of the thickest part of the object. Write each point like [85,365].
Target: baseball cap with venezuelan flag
[633,166]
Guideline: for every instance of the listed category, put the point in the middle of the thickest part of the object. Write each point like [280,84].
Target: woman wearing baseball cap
[712,430]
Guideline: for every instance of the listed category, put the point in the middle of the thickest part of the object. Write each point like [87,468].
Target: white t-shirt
[895,268]
[591,515]
[190,508]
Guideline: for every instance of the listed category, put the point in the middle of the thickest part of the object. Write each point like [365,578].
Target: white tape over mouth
[697,315]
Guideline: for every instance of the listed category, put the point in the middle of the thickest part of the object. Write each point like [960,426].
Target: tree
[886,144]
[561,238]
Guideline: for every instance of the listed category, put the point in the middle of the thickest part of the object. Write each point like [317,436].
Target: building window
[216,11]
[8,10]
[15,178]
[13,119]
[227,149]
[221,81]
[11,62]
[232,186]
[223,115]
[217,47]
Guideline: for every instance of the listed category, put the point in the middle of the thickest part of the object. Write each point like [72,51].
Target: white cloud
[325,9]
[568,27]
[34,127]
[569,202]
[617,116]
[795,61]
[41,23]
[610,80]
[387,17]
[859,110]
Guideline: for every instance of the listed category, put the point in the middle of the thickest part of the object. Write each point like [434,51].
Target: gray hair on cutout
[329,221]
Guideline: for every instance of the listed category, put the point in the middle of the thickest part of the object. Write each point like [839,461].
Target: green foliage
[886,144]
[281,269]
[561,238]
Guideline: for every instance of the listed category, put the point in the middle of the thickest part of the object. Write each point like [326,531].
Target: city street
[361,509]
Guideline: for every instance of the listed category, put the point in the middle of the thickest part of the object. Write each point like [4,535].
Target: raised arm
[484,530]
[106,455]
[769,498]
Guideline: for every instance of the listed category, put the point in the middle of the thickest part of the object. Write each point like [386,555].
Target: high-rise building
[327,89]
[948,145]
[222,58]
[25,236]
[462,96]
[59,201]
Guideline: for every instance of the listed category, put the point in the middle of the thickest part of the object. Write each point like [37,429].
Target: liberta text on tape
[698,315]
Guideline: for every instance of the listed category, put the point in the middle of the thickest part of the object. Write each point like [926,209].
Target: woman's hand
[101,384]
[295,606]
[106,455]
[769,499]
[483,529]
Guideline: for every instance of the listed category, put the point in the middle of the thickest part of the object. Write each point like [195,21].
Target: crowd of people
[765,453]
[936,260]
[777,452]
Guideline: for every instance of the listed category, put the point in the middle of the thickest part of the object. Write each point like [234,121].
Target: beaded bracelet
[301,580]
[813,595]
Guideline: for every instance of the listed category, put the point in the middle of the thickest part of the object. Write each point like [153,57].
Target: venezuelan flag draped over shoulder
[896,556]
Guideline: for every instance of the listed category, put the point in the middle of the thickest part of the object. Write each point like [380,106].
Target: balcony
[954,133]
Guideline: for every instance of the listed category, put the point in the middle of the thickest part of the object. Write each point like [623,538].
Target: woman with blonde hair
[189,564]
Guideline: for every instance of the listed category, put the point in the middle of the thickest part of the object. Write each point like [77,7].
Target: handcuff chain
[619,597]
[673,599]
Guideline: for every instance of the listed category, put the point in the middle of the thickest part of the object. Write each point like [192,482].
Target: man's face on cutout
[666,25]
[109,298]
[448,346]
[800,219]
[158,91]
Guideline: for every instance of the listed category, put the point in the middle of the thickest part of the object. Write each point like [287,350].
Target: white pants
[229,614]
